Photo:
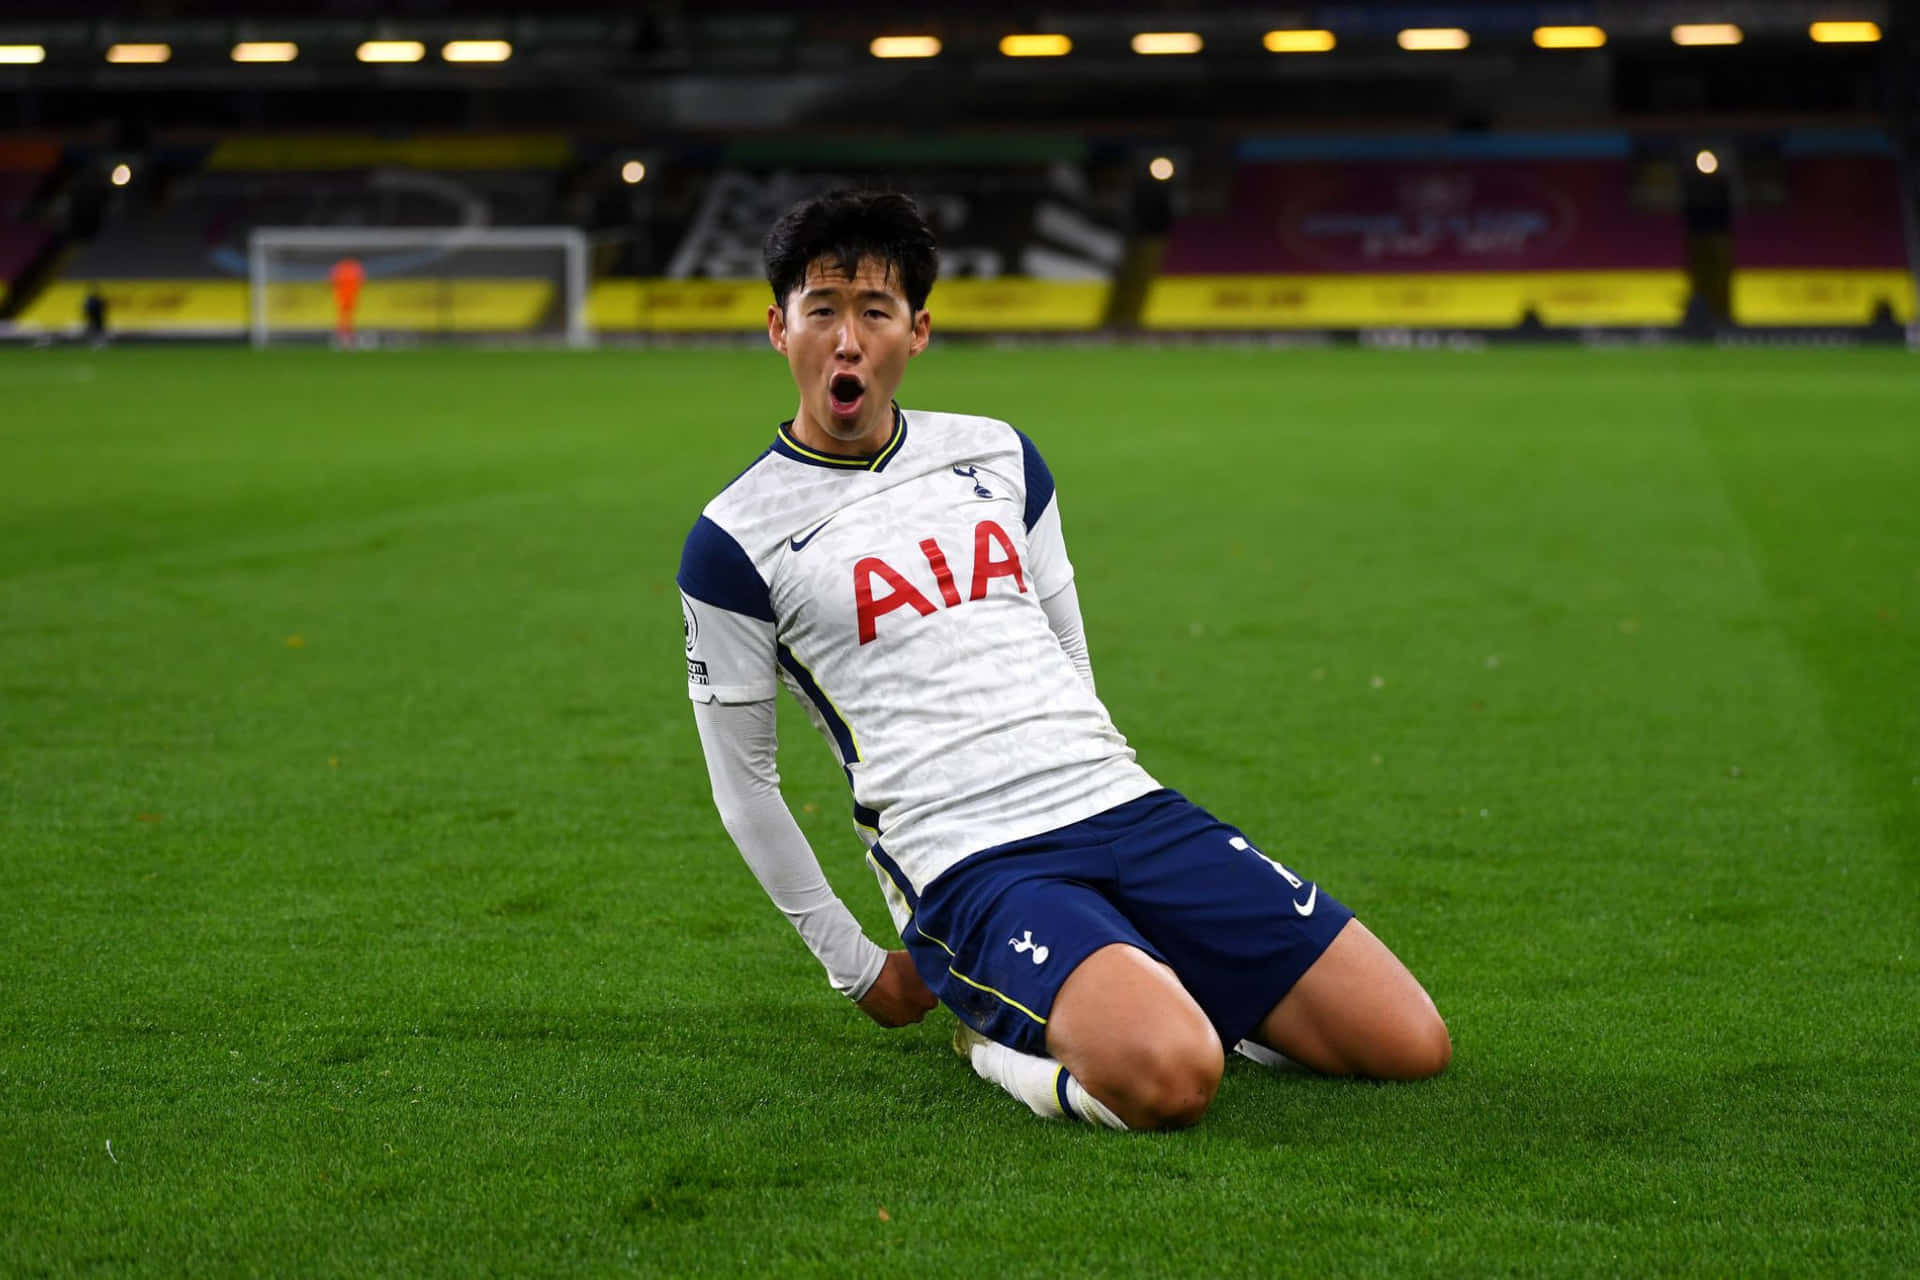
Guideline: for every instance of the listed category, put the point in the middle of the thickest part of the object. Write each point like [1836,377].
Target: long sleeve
[740,742]
[1063,616]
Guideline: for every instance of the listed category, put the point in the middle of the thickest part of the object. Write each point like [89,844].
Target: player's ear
[777,328]
[922,331]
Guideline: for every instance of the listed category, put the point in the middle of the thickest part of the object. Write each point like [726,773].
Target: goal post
[422,283]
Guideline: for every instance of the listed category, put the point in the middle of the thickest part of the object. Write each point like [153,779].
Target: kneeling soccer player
[903,573]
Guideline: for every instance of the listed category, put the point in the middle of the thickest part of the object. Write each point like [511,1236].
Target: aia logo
[994,556]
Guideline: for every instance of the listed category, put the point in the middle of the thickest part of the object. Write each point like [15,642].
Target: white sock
[1043,1084]
[1266,1057]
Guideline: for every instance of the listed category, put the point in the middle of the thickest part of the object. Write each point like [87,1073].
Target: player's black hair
[845,226]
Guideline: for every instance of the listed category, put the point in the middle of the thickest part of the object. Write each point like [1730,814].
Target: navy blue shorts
[995,936]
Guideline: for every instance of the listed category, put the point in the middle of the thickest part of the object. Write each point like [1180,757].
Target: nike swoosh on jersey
[800,543]
[1306,908]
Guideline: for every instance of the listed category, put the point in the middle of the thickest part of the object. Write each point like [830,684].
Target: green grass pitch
[365,911]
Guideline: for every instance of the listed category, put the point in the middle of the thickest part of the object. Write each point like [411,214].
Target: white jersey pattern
[898,598]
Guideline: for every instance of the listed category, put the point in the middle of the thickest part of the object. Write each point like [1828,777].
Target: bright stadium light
[1168,42]
[1569,37]
[633,173]
[905,47]
[265,51]
[1707,33]
[476,51]
[1845,32]
[132,53]
[1161,168]
[1314,41]
[1707,162]
[391,51]
[122,174]
[1433,39]
[1036,46]
[22,55]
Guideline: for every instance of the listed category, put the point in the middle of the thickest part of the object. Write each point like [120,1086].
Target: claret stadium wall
[1502,234]
[1475,233]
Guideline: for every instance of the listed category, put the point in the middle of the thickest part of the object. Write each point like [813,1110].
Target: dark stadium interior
[129,167]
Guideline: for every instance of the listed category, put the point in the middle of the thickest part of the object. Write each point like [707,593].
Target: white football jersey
[898,598]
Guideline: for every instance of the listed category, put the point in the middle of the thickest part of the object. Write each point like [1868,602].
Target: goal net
[420,284]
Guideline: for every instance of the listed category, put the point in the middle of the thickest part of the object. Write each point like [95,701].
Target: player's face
[847,340]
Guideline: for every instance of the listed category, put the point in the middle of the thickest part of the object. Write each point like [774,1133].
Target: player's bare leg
[1131,1035]
[1358,1012]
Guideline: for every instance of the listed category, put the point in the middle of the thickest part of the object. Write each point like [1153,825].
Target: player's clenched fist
[897,996]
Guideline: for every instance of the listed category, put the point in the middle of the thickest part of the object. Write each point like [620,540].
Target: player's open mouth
[845,393]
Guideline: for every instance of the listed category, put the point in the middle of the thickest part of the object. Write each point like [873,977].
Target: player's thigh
[1134,1037]
[1359,1011]
[997,942]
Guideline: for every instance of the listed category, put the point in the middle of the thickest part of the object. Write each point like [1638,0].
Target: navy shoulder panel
[1039,479]
[716,569]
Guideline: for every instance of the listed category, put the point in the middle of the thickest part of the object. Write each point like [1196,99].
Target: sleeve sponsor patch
[696,671]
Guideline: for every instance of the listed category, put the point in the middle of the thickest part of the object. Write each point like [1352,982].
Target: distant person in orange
[347,276]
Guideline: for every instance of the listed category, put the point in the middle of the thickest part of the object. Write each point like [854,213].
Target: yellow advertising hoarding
[1770,297]
[1480,300]
[145,306]
[1012,304]
[462,305]
[455,305]
[1019,304]
[678,306]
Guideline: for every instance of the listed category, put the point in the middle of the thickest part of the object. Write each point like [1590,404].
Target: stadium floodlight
[633,173]
[139,53]
[525,284]
[1434,39]
[22,55]
[1036,46]
[1707,162]
[1168,42]
[1303,41]
[265,51]
[390,51]
[1845,32]
[1569,37]
[905,47]
[122,174]
[476,51]
[1694,34]
[1161,169]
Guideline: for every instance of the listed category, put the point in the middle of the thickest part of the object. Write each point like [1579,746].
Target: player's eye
[875,313]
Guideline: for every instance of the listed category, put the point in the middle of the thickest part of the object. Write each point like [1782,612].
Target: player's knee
[1420,1049]
[1176,1083]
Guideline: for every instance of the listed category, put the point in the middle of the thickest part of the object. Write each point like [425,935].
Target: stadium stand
[1490,232]
[1469,232]
[1022,249]
[178,265]
[1819,241]
[25,168]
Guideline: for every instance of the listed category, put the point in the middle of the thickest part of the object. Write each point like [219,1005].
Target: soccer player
[903,573]
[347,277]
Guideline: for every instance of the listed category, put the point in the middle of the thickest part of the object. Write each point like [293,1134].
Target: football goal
[418,284]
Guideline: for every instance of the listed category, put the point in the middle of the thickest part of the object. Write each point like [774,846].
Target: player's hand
[898,996]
